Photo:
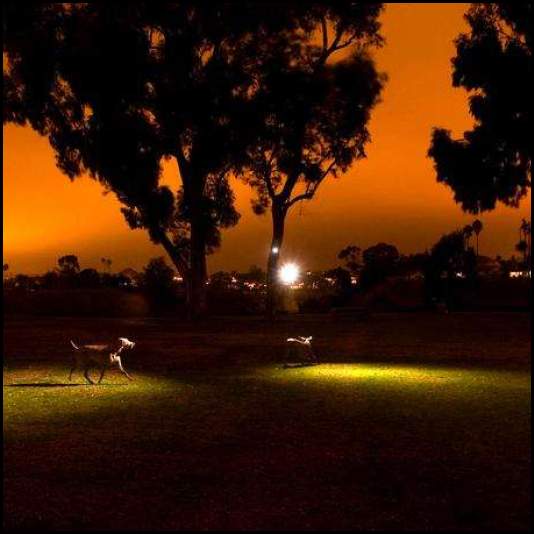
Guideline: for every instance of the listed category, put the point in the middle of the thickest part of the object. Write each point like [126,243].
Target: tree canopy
[492,162]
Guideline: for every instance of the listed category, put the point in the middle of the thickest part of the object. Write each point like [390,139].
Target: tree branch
[183,164]
[348,42]
[268,174]
[312,188]
[325,35]
[173,252]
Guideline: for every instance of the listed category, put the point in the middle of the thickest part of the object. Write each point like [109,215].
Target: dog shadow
[54,385]
[44,385]
[295,365]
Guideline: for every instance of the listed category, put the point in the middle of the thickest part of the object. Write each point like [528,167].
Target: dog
[103,356]
[309,354]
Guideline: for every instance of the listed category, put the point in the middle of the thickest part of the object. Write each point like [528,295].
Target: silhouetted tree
[522,247]
[525,242]
[477,228]
[492,162]
[351,255]
[68,270]
[413,263]
[221,280]
[467,232]
[380,261]
[89,278]
[255,274]
[158,281]
[50,280]
[106,262]
[451,256]
[68,265]
[342,283]
[116,88]
[312,104]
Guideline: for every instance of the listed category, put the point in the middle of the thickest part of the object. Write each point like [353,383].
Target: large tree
[117,88]
[492,162]
[317,88]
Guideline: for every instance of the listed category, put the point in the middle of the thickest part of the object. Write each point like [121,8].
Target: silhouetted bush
[223,301]
[76,302]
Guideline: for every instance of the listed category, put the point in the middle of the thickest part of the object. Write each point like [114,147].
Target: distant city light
[289,273]
[520,274]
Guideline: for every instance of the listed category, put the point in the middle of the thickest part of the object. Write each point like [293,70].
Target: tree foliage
[68,265]
[313,102]
[492,162]
[380,261]
[352,256]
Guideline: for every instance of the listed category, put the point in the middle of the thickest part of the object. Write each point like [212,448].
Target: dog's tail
[74,345]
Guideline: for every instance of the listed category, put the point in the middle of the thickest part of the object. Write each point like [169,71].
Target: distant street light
[289,273]
[275,250]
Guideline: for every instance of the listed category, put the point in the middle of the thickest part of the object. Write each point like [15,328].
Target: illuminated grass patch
[226,442]
[398,376]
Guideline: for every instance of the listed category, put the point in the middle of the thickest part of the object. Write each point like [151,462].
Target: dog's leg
[87,377]
[104,367]
[119,363]
[73,367]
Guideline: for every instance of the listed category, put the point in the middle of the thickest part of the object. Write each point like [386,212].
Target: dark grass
[413,422]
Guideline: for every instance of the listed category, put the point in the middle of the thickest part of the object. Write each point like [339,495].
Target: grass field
[412,422]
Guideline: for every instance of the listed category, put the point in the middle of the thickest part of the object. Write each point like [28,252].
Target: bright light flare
[289,273]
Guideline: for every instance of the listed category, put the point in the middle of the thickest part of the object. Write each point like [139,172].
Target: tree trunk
[198,270]
[195,283]
[279,216]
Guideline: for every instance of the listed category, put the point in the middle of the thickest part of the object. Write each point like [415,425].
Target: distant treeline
[450,276]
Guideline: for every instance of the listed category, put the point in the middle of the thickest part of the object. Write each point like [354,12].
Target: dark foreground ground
[412,422]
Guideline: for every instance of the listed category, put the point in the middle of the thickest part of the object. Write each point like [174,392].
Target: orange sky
[392,196]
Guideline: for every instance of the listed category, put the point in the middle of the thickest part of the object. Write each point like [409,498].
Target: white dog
[307,346]
[103,356]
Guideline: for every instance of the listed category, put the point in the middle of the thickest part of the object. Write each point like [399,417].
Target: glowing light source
[520,274]
[289,273]
[275,250]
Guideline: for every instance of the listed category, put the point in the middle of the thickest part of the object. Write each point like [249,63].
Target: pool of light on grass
[399,375]
[38,393]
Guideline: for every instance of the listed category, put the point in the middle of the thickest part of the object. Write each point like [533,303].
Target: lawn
[412,422]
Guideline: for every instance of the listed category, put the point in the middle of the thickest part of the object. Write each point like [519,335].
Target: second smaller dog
[307,351]
[102,356]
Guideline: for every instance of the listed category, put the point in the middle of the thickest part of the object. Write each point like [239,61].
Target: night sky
[392,196]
